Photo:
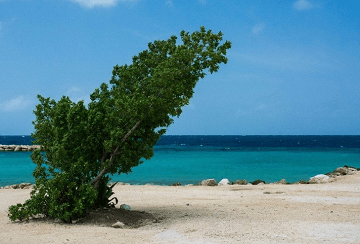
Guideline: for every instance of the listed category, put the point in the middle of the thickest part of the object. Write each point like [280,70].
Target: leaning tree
[82,146]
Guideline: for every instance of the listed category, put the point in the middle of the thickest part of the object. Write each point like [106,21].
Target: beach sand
[315,213]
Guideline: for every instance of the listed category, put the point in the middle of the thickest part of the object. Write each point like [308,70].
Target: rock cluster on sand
[208,182]
[344,171]
[19,148]
[18,186]
[330,177]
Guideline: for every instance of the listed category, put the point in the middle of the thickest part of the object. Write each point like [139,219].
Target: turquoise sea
[190,159]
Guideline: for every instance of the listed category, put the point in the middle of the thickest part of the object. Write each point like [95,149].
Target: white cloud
[256,29]
[302,5]
[99,3]
[16,104]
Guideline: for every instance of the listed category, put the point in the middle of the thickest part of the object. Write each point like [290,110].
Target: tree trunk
[96,181]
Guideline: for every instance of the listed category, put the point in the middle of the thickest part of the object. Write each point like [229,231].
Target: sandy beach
[271,213]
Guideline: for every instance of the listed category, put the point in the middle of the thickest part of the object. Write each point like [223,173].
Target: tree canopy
[83,145]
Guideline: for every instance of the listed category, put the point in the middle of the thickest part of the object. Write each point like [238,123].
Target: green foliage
[82,146]
[104,193]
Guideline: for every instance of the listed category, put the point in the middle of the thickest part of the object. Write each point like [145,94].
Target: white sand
[322,213]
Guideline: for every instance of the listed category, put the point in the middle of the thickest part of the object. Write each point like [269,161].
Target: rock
[281,182]
[258,182]
[118,225]
[240,182]
[317,179]
[208,182]
[25,185]
[341,171]
[125,207]
[16,186]
[58,221]
[345,171]
[224,182]
[18,148]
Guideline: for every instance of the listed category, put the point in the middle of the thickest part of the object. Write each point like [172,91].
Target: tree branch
[96,181]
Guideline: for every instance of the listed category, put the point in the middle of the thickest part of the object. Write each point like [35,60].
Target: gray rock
[58,221]
[281,182]
[345,171]
[208,182]
[25,185]
[18,148]
[16,186]
[240,182]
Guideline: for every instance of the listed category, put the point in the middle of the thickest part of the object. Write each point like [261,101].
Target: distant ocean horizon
[189,159]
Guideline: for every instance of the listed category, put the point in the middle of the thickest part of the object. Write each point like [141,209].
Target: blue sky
[293,69]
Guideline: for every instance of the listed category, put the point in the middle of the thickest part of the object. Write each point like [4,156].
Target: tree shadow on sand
[106,217]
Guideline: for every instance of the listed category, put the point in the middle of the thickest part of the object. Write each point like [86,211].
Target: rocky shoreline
[19,148]
[317,179]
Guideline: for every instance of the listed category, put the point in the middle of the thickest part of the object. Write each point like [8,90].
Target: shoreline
[317,179]
[270,213]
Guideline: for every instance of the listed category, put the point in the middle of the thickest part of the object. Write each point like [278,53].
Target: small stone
[57,220]
[125,207]
[118,225]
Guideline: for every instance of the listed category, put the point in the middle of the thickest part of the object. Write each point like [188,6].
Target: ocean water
[190,159]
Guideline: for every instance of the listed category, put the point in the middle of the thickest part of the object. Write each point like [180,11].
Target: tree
[82,146]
